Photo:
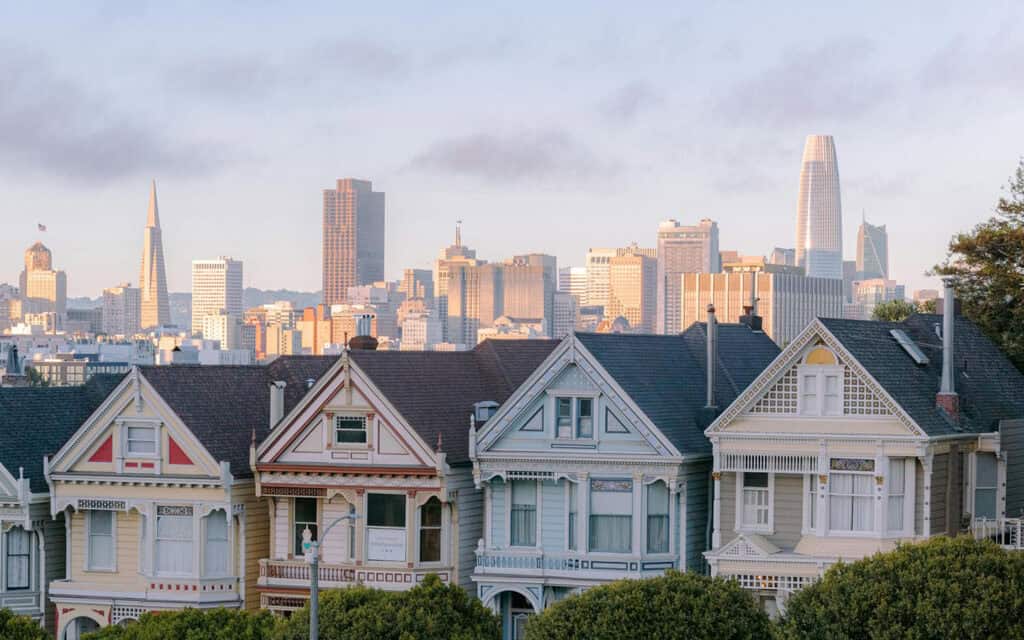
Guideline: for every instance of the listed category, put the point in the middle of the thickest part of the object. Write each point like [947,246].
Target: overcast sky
[547,127]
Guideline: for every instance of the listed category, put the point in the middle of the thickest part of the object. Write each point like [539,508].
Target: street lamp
[311,549]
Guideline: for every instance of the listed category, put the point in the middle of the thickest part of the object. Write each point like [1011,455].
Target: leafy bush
[676,605]
[942,588]
[193,624]
[429,611]
[15,627]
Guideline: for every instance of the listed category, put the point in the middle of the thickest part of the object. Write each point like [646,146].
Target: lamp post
[311,548]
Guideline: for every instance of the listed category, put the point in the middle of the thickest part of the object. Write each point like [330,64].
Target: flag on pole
[42,227]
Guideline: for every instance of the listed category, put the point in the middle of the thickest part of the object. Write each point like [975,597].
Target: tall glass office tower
[819,215]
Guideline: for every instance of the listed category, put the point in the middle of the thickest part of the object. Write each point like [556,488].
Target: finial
[439,443]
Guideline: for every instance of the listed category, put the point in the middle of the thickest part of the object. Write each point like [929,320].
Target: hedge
[193,624]
[15,627]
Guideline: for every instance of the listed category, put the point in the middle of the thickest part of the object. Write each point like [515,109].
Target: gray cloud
[230,77]
[994,64]
[545,156]
[831,81]
[52,126]
[628,101]
[365,57]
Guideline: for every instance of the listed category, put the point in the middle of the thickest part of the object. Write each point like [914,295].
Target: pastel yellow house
[157,496]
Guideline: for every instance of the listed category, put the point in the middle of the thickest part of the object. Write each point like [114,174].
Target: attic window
[141,441]
[350,429]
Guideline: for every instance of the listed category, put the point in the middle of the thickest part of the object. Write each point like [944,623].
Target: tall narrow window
[657,518]
[897,482]
[19,557]
[216,553]
[385,527]
[573,507]
[851,506]
[305,516]
[611,516]
[563,417]
[809,394]
[174,540]
[833,395]
[100,525]
[755,500]
[523,524]
[430,531]
[584,417]
[812,502]
[352,531]
[985,486]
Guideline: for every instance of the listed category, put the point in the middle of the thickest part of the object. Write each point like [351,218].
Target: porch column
[926,462]
[673,505]
[67,544]
[584,513]
[716,494]
[638,513]
[410,527]
[822,489]
[487,514]
[881,490]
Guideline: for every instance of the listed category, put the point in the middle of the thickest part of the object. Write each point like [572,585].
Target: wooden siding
[1012,443]
[282,536]
[257,539]
[467,523]
[727,512]
[918,498]
[789,511]
[498,514]
[334,549]
[553,516]
[940,471]
[55,549]
[947,492]
[695,500]
[126,577]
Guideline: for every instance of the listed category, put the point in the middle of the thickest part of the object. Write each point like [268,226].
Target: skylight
[909,346]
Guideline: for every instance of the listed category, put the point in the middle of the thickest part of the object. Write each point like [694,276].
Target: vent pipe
[947,399]
[712,356]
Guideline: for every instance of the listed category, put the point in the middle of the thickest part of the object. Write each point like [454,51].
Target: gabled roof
[666,377]
[37,421]
[990,387]
[222,405]
[435,390]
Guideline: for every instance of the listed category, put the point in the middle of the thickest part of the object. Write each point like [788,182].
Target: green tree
[942,588]
[986,267]
[193,624]
[35,379]
[429,611]
[15,627]
[894,311]
[676,605]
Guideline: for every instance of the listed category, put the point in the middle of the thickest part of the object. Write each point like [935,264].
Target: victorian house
[156,496]
[859,436]
[34,422]
[374,464]
[597,468]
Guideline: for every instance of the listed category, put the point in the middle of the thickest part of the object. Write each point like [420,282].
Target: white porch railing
[536,563]
[296,573]
[1006,532]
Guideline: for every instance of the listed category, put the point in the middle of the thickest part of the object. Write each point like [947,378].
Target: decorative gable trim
[175,454]
[747,546]
[105,452]
[789,358]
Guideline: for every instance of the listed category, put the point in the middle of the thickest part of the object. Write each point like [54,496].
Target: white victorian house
[861,435]
[597,469]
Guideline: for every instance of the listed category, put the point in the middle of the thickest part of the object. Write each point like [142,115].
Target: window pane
[524,492]
[430,545]
[305,509]
[755,480]
[564,408]
[573,498]
[523,514]
[895,513]
[174,544]
[141,440]
[985,503]
[986,464]
[19,554]
[657,518]
[897,476]
[350,429]
[216,553]
[430,513]
[305,516]
[385,510]
[611,534]
[101,522]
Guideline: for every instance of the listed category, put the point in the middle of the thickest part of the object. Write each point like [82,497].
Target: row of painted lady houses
[523,471]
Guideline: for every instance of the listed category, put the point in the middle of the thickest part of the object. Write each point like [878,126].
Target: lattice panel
[120,613]
[858,399]
[781,398]
[302,492]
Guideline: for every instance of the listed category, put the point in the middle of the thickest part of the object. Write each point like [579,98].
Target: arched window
[216,554]
[19,559]
[430,531]
[821,383]
[820,355]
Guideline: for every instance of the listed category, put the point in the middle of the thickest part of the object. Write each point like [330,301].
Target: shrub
[676,605]
[429,611]
[15,627]
[942,588]
[193,624]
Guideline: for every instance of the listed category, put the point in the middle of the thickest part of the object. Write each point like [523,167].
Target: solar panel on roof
[909,346]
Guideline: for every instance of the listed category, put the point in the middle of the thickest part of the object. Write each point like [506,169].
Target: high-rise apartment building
[868,294]
[121,307]
[43,290]
[819,214]
[633,291]
[216,287]
[420,332]
[155,308]
[598,261]
[682,249]
[529,288]
[573,280]
[786,302]
[564,315]
[872,252]
[417,283]
[783,256]
[353,238]
[223,327]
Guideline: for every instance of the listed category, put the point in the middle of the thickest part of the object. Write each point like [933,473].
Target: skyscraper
[819,215]
[121,310]
[155,309]
[43,290]
[353,238]
[573,280]
[451,256]
[632,291]
[682,249]
[216,287]
[872,252]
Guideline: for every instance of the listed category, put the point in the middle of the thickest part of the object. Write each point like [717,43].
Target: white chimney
[712,356]
[276,402]
[947,399]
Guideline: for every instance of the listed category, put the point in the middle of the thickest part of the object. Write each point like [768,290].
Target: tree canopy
[15,627]
[894,310]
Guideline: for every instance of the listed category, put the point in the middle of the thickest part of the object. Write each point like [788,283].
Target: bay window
[896,501]
[174,540]
[611,516]
[657,518]
[985,482]
[216,552]
[523,514]
[19,559]
[305,516]
[385,527]
[99,555]
[851,500]
[755,501]
[430,531]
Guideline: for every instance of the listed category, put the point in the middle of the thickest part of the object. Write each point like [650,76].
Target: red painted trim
[323,389]
[105,452]
[132,465]
[175,454]
[147,465]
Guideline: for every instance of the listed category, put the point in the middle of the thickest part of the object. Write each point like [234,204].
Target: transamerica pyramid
[155,310]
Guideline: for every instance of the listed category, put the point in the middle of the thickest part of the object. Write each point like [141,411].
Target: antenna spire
[458,233]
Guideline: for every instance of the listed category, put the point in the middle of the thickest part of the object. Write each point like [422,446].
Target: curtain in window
[611,516]
[812,501]
[657,518]
[755,499]
[524,513]
[19,555]
[573,500]
[985,486]
[897,493]
[217,552]
[101,539]
[174,545]
[430,531]
[850,502]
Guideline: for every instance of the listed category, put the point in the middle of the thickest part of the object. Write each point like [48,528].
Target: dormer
[820,383]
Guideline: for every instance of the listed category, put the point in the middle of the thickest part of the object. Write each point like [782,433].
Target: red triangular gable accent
[175,454]
[106,451]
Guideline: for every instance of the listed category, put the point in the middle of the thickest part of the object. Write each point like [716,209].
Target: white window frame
[819,372]
[875,519]
[127,426]
[970,502]
[647,515]
[634,505]
[4,557]
[811,501]
[537,514]
[113,537]
[195,570]
[741,527]
[574,397]
[909,490]
[367,528]
[440,535]
[334,430]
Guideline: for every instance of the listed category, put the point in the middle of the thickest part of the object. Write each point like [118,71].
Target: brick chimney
[947,398]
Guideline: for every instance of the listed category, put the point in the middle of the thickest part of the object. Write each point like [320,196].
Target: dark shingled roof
[990,387]
[222,405]
[435,390]
[37,421]
[666,375]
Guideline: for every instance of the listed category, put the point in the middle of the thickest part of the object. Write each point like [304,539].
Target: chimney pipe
[712,356]
[276,402]
[947,399]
